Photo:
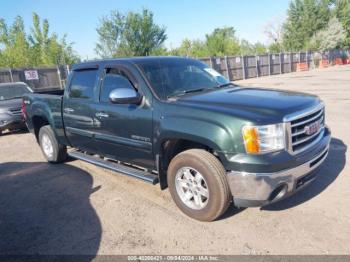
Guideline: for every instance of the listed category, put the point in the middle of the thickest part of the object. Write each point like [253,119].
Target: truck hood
[255,104]
[5,105]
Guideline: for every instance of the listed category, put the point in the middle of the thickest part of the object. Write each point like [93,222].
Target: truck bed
[46,108]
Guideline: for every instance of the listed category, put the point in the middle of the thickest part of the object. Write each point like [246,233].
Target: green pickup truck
[177,122]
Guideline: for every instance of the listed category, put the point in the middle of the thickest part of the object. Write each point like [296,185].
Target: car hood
[255,104]
[5,105]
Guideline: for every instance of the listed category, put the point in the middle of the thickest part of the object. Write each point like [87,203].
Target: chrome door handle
[101,114]
[68,110]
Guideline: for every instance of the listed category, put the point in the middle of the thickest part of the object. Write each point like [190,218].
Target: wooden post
[269,58]
[257,65]
[291,62]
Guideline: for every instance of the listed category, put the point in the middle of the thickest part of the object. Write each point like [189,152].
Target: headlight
[3,122]
[263,139]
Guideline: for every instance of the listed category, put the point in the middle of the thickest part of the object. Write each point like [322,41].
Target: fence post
[11,76]
[291,61]
[59,76]
[227,69]
[243,67]
[281,63]
[269,60]
[67,69]
[211,62]
[257,65]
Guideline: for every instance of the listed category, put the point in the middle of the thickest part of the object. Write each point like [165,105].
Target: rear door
[77,111]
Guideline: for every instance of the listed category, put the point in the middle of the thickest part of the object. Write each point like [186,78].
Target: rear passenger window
[83,84]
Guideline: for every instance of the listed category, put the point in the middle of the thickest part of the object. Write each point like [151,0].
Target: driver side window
[114,79]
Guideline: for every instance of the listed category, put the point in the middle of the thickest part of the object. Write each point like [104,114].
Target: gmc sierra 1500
[178,122]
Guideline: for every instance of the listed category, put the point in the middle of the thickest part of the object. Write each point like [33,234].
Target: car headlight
[3,122]
[263,139]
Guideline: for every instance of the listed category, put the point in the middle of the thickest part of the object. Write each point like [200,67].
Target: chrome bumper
[258,189]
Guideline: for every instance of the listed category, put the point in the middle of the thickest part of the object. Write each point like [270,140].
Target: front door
[123,131]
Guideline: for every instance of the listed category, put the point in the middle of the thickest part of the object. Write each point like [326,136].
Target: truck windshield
[173,77]
[8,92]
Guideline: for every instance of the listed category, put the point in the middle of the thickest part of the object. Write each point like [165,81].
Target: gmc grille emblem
[312,128]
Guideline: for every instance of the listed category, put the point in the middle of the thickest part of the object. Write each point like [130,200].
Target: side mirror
[125,96]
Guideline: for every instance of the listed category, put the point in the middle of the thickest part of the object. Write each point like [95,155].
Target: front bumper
[11,122]
[258,189]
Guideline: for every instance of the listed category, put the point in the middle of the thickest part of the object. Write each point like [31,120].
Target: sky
[183,19]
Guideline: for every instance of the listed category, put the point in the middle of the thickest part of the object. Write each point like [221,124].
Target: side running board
[126,170]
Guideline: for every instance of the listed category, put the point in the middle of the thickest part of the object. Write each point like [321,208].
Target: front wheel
[198,185]
[52,150]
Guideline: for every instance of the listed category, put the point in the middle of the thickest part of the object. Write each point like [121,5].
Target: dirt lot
[76,208]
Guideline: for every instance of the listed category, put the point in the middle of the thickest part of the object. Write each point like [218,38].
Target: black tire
[214,174]
[59,152]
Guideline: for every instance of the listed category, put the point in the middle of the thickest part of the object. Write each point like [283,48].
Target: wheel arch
[38,122]
[170,147]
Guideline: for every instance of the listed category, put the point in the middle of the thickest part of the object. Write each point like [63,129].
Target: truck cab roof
[132,60]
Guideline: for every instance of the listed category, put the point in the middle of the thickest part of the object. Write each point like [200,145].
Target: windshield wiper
[184,92]
[225,85]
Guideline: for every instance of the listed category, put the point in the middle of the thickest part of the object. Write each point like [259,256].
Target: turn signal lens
[263,139]
[251,139]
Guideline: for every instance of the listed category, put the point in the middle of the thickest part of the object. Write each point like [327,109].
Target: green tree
[304,18]
[39,48]
[342,12]
[191,48]
[16,48]
[110,34]
[246,48]
[260,48]
[329,38]
[39,39]
[222,41]
[48,49]
[275,48]
[133,34]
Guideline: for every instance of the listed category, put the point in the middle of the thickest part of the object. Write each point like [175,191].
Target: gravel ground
[77,208]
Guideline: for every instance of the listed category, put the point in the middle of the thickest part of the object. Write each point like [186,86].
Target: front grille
[15,111]
[300,140]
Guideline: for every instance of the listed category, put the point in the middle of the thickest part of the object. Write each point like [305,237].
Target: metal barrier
[37,78]
[233,67]
[242,67]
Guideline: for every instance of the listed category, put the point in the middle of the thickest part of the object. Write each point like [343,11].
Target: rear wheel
[197,183]
[52,150]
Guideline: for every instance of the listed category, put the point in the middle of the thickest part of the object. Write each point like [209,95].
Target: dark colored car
[180,123]
[10,105]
